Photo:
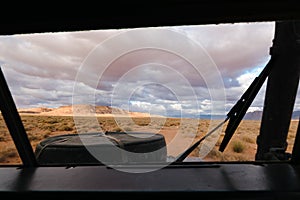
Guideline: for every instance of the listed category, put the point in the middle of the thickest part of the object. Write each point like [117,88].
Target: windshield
[152,92]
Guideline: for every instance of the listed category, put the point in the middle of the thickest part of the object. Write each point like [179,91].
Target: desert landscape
[41,123]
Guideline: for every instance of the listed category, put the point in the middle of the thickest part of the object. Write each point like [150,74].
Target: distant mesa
[34,110]
[81,110]
[257,115]
[254,115]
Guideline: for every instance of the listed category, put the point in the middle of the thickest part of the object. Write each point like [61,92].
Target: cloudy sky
[174,71]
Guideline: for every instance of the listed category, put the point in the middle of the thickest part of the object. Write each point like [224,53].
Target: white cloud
[176,106]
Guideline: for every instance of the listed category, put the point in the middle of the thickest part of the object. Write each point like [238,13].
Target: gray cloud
[43,69]
[235,47]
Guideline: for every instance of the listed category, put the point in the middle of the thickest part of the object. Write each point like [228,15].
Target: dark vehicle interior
[61,166]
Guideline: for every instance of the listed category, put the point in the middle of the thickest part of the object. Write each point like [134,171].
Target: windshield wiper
[236,113]
[196,144]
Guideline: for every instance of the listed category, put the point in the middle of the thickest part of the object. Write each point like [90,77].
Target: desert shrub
[117,129]
[52,121]
[238,147]
[248,139]
[6,153]
[47,127]
[127,128]
[46,134]
[32,137]
[142,121]
[28,128]
[231,157]
[2,139]
[65,128]
[215,154]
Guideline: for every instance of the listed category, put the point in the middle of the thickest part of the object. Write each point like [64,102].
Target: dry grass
[242,146]
[238,146]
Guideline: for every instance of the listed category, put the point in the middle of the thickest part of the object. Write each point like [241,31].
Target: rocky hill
[76,110]
[257,115]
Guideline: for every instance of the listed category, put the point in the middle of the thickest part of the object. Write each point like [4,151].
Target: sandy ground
[178,135]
